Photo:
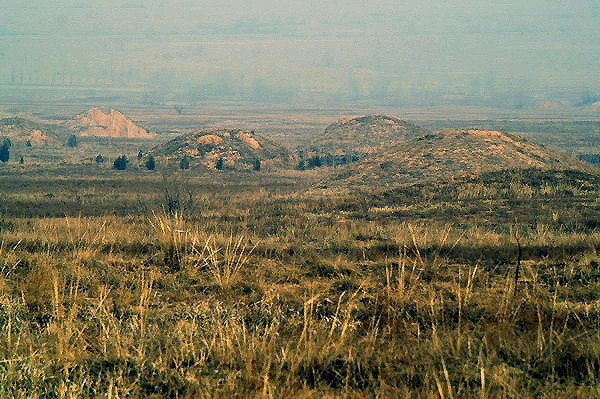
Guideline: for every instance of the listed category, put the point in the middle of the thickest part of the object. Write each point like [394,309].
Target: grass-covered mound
[225,149]
[449,155]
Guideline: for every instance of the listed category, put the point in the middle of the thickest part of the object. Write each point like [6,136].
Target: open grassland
[140,285]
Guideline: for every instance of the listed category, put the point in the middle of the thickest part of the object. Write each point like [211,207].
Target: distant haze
[464,52]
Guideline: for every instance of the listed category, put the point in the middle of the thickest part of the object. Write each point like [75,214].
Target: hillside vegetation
[448,155]
[236,148]
[364,135]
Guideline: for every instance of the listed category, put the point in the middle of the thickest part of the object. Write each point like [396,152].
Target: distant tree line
[150,163]
[591,158]
[5,150]
[72,141]
[121,162]
[320,160]
[184,164]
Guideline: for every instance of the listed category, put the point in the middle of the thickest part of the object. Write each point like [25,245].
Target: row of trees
[319,160]
[121,163]
[591,158]
[72,142]
[6,144]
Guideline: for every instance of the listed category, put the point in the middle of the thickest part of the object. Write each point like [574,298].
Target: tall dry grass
[279,295]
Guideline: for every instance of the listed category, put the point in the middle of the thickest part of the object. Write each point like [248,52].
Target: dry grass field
[263,285]
[288,199]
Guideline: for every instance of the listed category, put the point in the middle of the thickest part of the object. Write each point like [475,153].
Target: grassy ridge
[449,154]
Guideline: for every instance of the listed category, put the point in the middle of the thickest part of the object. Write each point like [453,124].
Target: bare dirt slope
[96,122]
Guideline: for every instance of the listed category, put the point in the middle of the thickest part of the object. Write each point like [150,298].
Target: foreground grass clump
[274,294]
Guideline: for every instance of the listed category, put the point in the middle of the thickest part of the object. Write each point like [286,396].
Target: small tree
[28,143]
[99,158]
[257,165]
[21,160]
[314,162]
[5,150]
[121,163]
[150,163]
[184,163]
[219,164]
[72,142]
[140,155]
[348,156]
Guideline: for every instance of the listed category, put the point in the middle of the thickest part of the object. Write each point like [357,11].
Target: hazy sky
[511,53]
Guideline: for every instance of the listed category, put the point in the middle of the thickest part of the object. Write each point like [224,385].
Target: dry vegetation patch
[448,155]
[259,290]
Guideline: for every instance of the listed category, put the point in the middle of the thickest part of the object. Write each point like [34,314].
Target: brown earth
[112,124]
[21,130]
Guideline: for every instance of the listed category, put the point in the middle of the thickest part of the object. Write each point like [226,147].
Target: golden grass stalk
[224,264]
